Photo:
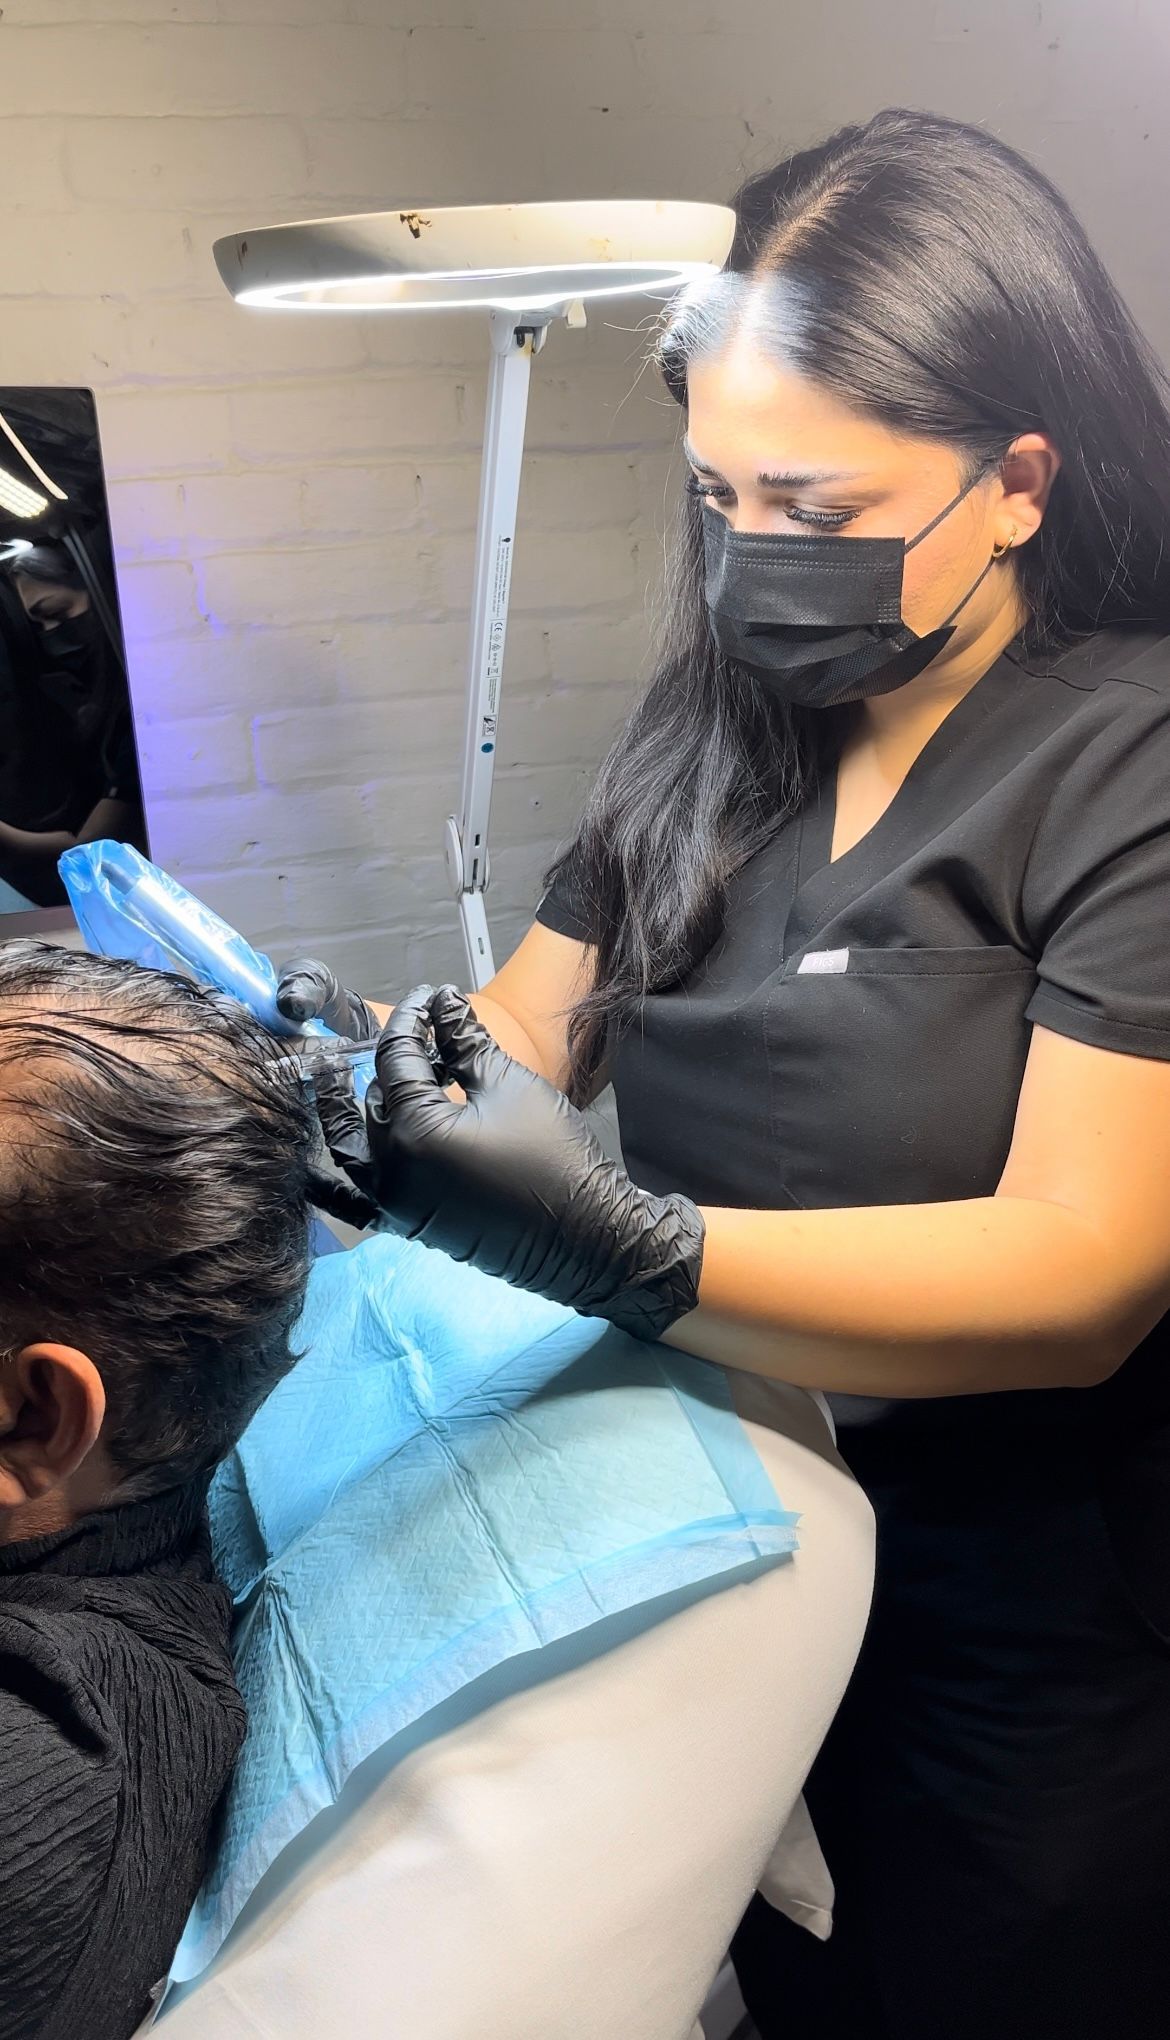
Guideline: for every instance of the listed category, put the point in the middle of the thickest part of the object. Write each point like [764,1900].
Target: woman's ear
[52,1407]
[1030,466]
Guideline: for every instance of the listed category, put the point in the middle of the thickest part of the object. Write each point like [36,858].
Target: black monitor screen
[68,763]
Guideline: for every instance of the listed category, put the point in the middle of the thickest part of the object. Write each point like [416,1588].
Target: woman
[77,769]
[868,920]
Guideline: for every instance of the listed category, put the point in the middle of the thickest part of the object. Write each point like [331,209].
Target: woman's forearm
[108,818]
[913,1300]
[36,844]
[508,1034]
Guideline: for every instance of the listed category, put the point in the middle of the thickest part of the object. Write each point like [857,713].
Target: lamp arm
[515,338]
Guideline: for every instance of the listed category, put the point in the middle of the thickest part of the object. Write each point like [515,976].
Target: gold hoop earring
[998,551]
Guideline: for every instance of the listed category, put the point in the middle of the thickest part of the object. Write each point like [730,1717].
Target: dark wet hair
[932,278]
[153,1209]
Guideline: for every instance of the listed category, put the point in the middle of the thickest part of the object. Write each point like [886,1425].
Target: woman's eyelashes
[722,497]
[709,492]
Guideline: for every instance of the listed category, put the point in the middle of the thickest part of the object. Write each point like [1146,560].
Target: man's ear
[52,1406]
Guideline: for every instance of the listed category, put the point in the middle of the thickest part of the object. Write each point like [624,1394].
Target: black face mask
[73,671]
[71,646]
[819,620]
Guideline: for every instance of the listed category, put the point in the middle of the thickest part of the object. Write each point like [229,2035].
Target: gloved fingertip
[411,1015]
[450,1013]
[341,1200]
[308,990]
[295,1002]
[404,1055]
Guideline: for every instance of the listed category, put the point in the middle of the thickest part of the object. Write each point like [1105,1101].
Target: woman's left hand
[511,1179]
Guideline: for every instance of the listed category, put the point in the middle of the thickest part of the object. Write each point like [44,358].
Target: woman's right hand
[508,1174]
[308,990]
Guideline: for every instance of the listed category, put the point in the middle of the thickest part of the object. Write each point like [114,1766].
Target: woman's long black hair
[929,276]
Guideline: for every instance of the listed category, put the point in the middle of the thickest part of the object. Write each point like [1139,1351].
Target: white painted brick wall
[293,499]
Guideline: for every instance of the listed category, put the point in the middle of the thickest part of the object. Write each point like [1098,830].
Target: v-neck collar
[923,800]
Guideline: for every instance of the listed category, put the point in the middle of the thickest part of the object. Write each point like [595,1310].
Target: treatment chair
[571,1863]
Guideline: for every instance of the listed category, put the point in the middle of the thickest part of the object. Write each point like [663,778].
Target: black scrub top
[858,1035]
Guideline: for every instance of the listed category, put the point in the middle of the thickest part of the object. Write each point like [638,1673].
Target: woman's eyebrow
[806,480]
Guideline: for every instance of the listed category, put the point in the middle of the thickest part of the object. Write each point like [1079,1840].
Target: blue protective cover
[455,1474]
[125,906]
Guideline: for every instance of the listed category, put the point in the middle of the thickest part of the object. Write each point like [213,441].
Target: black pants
[994,1798]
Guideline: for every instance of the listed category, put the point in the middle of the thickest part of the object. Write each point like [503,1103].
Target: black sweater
[119,1726]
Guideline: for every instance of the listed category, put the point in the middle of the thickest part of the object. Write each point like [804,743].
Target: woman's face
[771,451]
[48,604]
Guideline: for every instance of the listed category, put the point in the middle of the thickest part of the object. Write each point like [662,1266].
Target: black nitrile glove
[339,1197]
[512,1180]
[308,990]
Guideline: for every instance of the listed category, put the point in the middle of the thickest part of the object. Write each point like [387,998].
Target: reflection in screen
[68,766]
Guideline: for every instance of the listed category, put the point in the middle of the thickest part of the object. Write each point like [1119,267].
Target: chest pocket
[894,1074]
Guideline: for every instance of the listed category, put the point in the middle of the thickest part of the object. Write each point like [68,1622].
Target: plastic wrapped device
[125,906]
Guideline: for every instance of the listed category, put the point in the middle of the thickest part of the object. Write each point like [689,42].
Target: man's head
[153,1230]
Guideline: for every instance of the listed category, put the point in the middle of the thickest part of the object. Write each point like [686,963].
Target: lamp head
[513,258]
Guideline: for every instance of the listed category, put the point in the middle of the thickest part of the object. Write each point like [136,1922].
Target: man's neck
[42,1518]
[93,1486]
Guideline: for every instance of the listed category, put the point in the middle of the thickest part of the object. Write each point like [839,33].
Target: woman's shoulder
[1106,752]
[1114,670]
